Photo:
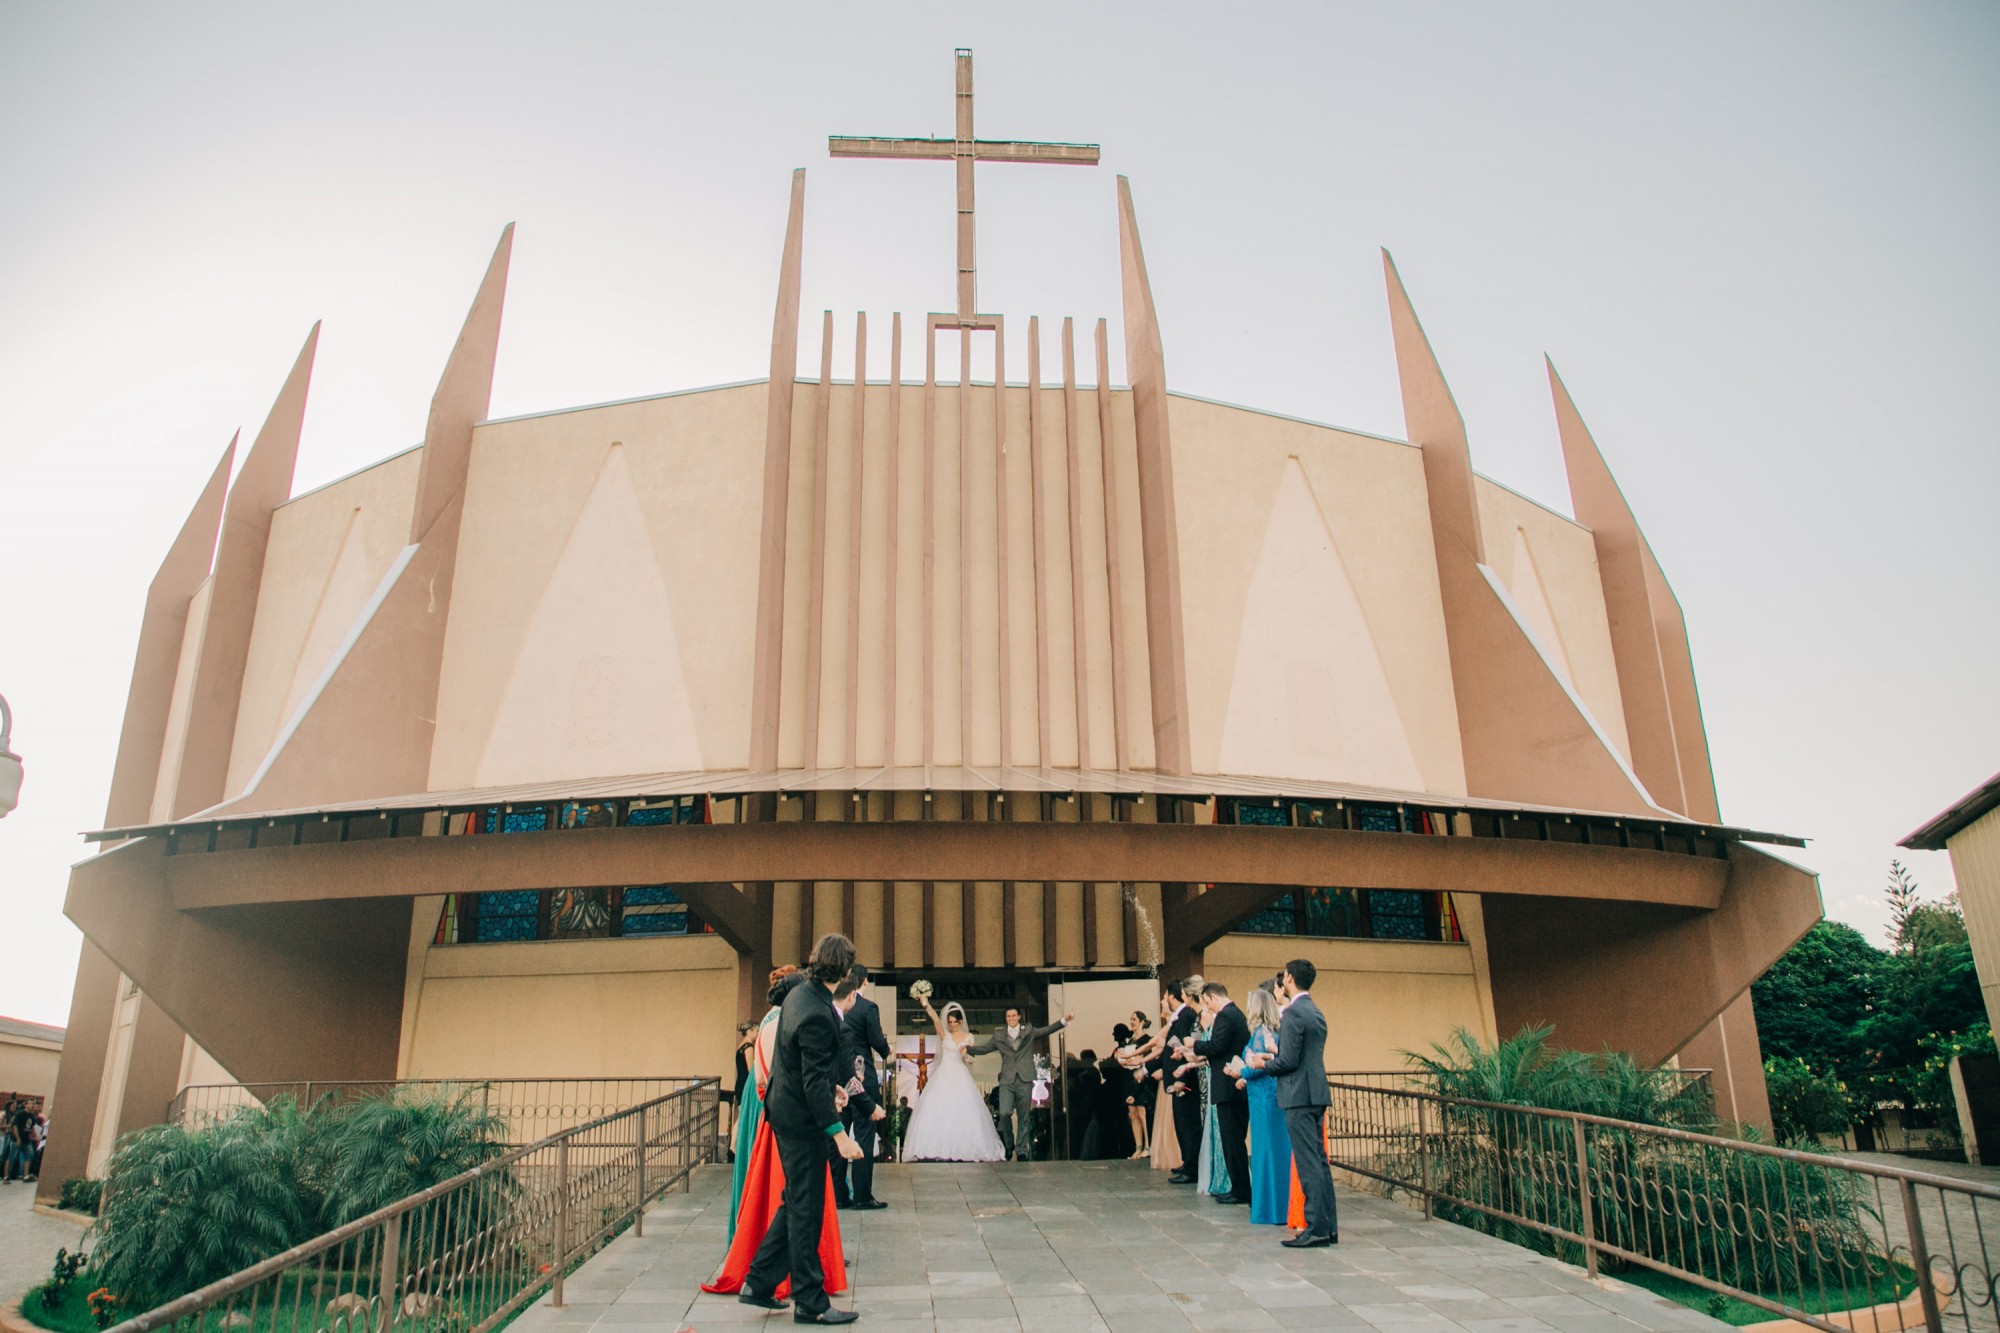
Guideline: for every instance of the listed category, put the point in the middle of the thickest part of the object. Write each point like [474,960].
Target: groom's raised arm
[1050,1030]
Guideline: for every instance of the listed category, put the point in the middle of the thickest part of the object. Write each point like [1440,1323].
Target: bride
[951,1122]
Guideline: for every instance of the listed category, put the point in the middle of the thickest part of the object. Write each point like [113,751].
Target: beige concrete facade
[1970,832]
[982,674]
[30,1055]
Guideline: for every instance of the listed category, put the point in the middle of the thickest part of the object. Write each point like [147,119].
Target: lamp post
[10,763]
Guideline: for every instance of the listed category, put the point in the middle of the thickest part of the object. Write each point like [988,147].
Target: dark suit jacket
[1300,1064]
[1226,1038]
[799,1101]
[1182,1026]
[860,1034]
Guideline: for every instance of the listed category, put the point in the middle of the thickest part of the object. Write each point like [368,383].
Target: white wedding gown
[951,1122]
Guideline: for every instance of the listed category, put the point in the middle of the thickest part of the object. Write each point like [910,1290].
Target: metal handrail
[416,1254]
[1773,1227]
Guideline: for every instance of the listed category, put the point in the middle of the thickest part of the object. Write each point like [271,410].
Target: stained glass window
[523,819]
[1251,813]
[580,913]
[655,910]
[1394,914]
[1332,913]
[1378,818]
[510,915]
[589,814]
[666,812]
[566,914]
[1280,918]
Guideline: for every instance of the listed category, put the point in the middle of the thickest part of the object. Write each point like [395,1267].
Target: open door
[1098,1006]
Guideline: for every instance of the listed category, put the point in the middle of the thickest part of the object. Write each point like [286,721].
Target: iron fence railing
[465,1255]
[1838,1244]
[530,1108]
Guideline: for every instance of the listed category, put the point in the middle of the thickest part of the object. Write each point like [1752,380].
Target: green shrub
[1758,1223]
[1806,1103]
[80,1194]
[392,1147]
[185,1205]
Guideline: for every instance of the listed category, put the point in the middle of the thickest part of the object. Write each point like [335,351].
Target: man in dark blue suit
[805,1121]
[1300,1068]
[861,1040]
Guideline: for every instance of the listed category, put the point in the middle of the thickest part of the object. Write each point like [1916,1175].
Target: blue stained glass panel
[1397,915]
[525,820]
[1378,819]
[1271,815]
[1277,919]
[497,928]
[657,895]
[513,902]
[662,814]
[656,923]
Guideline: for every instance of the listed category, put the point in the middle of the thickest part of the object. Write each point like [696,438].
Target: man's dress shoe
[746,1297]
[867,1204]
[826,1316]
[1306,1240]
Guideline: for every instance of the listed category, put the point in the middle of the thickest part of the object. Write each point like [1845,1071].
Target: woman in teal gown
[1270,1146]
[750,1109]
[1212,1173]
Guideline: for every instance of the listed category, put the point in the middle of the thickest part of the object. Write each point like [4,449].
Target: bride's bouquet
[921,989]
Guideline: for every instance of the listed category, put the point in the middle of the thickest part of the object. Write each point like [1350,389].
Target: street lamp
[10,763]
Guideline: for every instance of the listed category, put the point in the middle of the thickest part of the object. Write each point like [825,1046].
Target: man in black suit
[1300,1068]
[1228,1034]
[861,1040]
[799,1106]
[1187,1101]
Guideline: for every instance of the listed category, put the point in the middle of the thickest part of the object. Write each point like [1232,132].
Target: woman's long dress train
[763,1191]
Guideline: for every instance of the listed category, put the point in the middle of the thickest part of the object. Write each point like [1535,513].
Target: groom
[1016,1045]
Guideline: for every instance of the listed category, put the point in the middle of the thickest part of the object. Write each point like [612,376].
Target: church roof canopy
[1015,780]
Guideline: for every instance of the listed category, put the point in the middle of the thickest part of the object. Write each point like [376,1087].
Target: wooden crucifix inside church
[965,150]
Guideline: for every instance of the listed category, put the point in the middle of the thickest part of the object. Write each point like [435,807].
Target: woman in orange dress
[764,1179]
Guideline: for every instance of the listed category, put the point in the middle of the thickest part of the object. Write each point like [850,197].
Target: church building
[529,751]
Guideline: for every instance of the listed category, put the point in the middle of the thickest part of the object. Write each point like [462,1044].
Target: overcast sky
[1758,241]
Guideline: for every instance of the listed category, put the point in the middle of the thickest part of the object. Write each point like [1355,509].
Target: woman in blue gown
[1270,1146]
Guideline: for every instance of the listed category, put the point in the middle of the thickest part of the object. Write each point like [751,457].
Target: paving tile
[1077,1248]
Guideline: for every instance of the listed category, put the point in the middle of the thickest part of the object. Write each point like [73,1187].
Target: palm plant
[184,1206]
[390,1148]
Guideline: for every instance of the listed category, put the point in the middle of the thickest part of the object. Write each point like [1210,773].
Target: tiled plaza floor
[1069,1247]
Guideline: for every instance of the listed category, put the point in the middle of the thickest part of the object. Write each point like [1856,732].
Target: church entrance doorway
[1070,1100]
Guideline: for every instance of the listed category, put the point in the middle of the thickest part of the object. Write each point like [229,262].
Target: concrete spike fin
[464,391]
[154,665]
[1637,648]
[1159,532]
[262,484]
[1431,419]
[767,679]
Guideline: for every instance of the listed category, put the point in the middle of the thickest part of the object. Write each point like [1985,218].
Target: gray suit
[1017,1082]
[1300,1069]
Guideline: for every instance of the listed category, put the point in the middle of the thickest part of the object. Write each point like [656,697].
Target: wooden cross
[921,1059]
[964,150]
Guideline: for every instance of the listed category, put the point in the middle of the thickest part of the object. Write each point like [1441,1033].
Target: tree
[1812,1003]
[1928,992]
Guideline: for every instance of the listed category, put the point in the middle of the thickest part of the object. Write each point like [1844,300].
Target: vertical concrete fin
[154,665]
[1636,646]
[1432,420]
[1145,365]
[262,484]
[768,670]
[463,393]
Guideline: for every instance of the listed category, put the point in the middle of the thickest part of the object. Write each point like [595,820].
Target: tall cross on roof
[964,150]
